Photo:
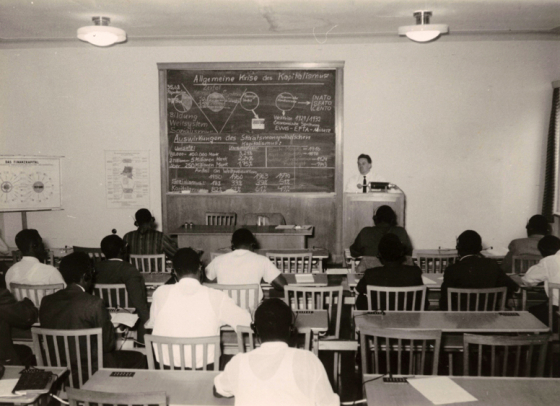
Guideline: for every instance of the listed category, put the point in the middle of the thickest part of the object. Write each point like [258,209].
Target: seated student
[537,227]
[20,314]
[275,374]
[368,239]
[472,270]
[146,240]
[74,308]
[242,266]
[117,270]
[30,270]
[547,270]
[189,309]
[393,273]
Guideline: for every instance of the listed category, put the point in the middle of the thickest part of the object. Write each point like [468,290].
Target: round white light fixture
[423,31]
[101,34]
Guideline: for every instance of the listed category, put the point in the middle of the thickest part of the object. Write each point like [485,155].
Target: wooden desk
[156,278]
[12,372]
[454,322]
[182,387]
[213,238]
[431,280]
[488,391]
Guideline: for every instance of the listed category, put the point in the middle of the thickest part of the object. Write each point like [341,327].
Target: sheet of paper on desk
[304,278]
[441,390]
[128,319]
[6,387]
[428,281]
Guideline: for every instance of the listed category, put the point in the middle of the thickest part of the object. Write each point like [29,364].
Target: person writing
[356,183]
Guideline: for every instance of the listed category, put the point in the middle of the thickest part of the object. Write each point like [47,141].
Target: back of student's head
[385,215]
[25,239]
[112,246]
[143,216]
[273,320]
[76,265]
[243,238]
[538,224]
[549,245]
[186,262]
[469,243]
[391,249]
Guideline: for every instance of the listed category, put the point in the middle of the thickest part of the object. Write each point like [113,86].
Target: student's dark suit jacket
[13,314]
[112,271]
[474,272]
[393,275]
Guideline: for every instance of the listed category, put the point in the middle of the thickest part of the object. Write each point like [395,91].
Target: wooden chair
[517,349]
[401,347]
[350,260]
[149,263]
[553,290]
[94,253]
[431,262]
[522,263]
[292,262]
[263,219]
[167,347]
[244,296]
[17,256]
[81,351]
[247,340]
[221,219]
[113,294]
[408,298]
[82,397]
[478,300]
[34,292]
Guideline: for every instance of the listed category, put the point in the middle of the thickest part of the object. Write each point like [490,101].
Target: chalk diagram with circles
[26,187]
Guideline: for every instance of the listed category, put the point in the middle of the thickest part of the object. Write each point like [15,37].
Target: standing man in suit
[356,182]
[30,270]
[146,240]
[472,270]
[117,270]
[74,308]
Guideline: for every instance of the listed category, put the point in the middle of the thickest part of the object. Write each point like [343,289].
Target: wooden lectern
[358,211]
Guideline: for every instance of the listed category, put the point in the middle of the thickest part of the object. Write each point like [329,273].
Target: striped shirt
[150,242]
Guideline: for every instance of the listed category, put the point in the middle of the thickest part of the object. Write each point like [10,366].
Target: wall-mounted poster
[29,183]
[127,179]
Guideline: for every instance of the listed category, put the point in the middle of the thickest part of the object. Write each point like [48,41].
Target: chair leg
[450,364]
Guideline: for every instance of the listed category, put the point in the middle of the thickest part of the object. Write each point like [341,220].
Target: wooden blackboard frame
[336,197]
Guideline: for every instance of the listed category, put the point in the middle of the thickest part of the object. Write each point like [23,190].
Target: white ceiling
[37,21]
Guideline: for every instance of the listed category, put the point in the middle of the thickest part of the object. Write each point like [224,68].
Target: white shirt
[275,374]
[354,181]
[30,271]
[242,267]
[188,309]
[547,270]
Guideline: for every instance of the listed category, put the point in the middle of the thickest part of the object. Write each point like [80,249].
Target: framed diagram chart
[29,183]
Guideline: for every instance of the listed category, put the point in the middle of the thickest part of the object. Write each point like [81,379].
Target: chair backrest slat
[522,263]
[434,263]
[300,262]
[149,263]
[176,346]
[221,219]
[400,294]
[86,397]
[498,296]
[35,293]
[114,295]
[94,253]
[244,296]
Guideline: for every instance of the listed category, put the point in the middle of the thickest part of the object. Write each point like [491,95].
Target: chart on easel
[29,183]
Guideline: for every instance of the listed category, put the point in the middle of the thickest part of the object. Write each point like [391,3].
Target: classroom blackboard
[249,130]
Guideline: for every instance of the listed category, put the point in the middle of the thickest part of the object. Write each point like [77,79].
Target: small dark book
[33,381]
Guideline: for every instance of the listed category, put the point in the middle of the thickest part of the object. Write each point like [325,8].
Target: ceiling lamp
[423,31]
[101,34]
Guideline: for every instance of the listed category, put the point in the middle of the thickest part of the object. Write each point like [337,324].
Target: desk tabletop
[431,280]
[12,372]
[488,391]
[315,320]
[156,278]
[182,387]
[454,322]
[256,230]
[317,253]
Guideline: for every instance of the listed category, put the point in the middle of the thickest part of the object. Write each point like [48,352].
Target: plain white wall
[459,126]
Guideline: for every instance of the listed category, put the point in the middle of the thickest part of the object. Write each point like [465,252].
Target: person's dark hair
[26,238]
[186,262]
[366,157]
[391,249]
[76,265]
[143,216]
[273,320]
[469,243]
[385,214]
[243,237]
[111,246]
[548,245]
[538,224]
